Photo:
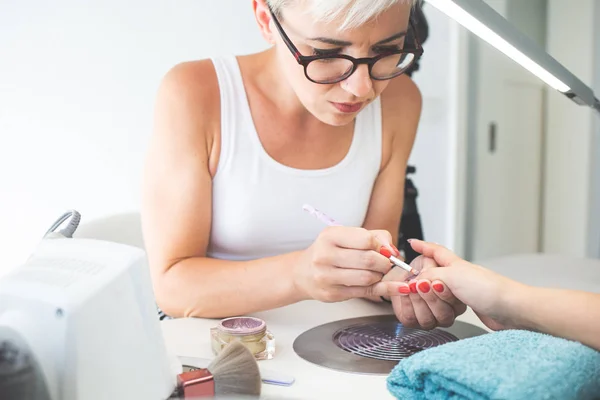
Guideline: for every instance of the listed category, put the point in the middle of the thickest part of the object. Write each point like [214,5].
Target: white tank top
[257,201]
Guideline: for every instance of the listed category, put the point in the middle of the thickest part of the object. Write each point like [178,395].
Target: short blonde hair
[355,12]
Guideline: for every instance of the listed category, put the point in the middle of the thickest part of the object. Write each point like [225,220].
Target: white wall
[570,132]
[77,85]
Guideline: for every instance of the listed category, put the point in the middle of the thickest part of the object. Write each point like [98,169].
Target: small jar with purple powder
[251,332]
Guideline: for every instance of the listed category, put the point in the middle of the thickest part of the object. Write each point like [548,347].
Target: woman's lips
[348,107]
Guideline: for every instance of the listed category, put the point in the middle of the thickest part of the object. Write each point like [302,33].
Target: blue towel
[512,364]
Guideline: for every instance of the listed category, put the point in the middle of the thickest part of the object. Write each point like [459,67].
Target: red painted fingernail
[438,287]
[424,287]
[404,289]
[413,287]
[385,251]
[396,250]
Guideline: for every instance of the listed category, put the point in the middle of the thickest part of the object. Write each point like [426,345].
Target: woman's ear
[263,17]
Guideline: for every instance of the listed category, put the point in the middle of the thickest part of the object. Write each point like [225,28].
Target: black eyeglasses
[333,68]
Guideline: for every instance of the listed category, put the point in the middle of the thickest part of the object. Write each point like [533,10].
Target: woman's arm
[503,303]
[569,314]
[176,210]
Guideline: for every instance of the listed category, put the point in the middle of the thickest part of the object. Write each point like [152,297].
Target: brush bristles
[235,371]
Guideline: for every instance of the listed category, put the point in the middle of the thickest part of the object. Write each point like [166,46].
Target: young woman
[325,116]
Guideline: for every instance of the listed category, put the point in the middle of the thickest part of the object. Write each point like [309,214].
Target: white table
[191,337]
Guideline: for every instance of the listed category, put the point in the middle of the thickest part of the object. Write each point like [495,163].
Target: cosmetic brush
[234,371]
[267,376]
[321,216]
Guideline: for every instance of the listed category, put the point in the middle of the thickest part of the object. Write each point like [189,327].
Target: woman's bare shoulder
[187,109]
[401,104]
[193,87]
[402,99]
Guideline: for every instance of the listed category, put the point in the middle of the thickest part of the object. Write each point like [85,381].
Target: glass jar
[251,332]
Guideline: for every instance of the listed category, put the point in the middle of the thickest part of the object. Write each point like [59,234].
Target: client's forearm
[212,288]
[569,314]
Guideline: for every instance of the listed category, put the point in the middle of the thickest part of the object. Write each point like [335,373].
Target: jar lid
[242,325]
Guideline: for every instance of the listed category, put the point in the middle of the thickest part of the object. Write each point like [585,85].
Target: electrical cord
[69,230]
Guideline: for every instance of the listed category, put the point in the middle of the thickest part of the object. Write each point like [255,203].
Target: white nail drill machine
[78,321]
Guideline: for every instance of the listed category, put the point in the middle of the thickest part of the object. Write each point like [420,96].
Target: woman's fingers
[388,289]
[355,248]
[384,238]
[443,312]
[361,259]
[440,279]
[333,276]
[443,293]
[403,308]
[423,313]
[356,238]
[442,256]
[419,306]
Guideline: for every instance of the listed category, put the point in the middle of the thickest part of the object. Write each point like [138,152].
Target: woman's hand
[419,306]
[486,292]
[344,263]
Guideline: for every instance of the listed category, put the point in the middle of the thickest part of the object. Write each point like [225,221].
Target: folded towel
[512,364]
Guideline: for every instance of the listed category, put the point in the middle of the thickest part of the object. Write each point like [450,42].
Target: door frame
[459,126]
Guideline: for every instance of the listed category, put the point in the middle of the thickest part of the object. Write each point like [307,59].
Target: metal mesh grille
[388,340]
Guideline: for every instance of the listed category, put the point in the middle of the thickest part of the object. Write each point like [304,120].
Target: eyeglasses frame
[356,62]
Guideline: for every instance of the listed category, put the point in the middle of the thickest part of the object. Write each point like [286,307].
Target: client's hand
[486,292]
[344,263]
[419,306]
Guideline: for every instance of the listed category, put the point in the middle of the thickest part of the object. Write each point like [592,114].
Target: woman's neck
[262,72]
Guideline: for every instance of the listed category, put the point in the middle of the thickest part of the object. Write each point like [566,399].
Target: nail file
[267,376]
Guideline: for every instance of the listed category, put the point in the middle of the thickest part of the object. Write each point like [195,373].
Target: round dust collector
[372,345]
